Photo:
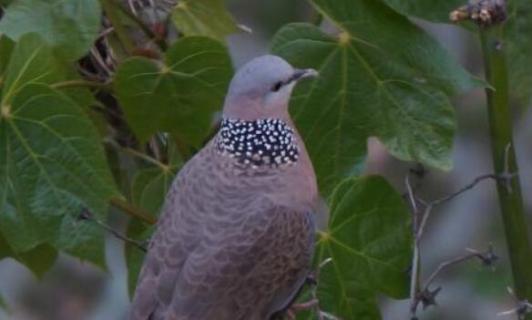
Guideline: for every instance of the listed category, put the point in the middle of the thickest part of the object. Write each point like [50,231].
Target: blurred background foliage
[98,114]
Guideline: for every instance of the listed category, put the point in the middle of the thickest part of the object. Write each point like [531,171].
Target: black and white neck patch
[263,142]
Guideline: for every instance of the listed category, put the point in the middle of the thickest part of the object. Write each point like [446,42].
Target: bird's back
[231,244]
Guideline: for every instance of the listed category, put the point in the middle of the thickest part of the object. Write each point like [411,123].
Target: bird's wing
[257,267]
[168,249]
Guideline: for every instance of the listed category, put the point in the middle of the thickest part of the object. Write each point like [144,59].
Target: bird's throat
[263,142]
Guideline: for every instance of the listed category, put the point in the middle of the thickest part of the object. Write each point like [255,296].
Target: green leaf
[380,76]
[134,256]
[150,186]
[435,10]
[54,168]
[70,26]
[179,97]
[369,241]
[204,18]
[518,29]
[6,47]
[39,259]
[31,61]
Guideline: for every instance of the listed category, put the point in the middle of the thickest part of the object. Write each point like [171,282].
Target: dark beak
[304,73]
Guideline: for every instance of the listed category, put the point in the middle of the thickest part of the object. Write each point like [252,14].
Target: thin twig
[521,309]
[484,257]
[468,187]
[132,210]
[120,30]
[161,43]
[138,154]
[98,59]
[410,193]
[416,295]
[314,302]
[86,215]
[434,203]
[414,283]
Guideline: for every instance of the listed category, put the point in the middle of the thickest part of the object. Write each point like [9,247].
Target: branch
[430,205]
[164,167]
[119,29]
[503,152]
[425,295]
[87,215]
[522,307]
[132,210]
[314,302]
[488,258]
[414,276]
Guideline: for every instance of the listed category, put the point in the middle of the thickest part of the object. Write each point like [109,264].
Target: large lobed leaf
[203,18]
[70,26]
[369,241]
[52,165]
[38,259]
[178,97]
[380,76]
[517,33]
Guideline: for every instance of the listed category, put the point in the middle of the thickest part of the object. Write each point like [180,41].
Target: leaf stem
[79,83]
[139,245]
[164,167]
[132,210]
[504,160]
[120,31]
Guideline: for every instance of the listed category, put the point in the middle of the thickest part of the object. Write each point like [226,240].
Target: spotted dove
[235,238]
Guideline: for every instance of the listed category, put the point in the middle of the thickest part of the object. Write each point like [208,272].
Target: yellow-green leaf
[379,76]
[54,168]
[369,241]
[69,26]
[203,18]
[180,96]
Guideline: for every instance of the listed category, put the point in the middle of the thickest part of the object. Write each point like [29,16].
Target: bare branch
[522,308]
[425,295]
[487,258]
[87,215]
[314,302]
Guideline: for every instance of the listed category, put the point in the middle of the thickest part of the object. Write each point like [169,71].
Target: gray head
[262,88]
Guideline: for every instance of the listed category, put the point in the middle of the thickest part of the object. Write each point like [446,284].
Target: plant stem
[78,83]
[114,17]
[132,210]
[504,160]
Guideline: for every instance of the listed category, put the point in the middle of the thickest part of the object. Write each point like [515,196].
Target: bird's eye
[277,86]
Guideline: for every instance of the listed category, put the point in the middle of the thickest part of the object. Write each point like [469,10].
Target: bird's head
[262,88]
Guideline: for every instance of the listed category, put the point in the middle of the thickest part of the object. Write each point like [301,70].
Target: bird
[235,237]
